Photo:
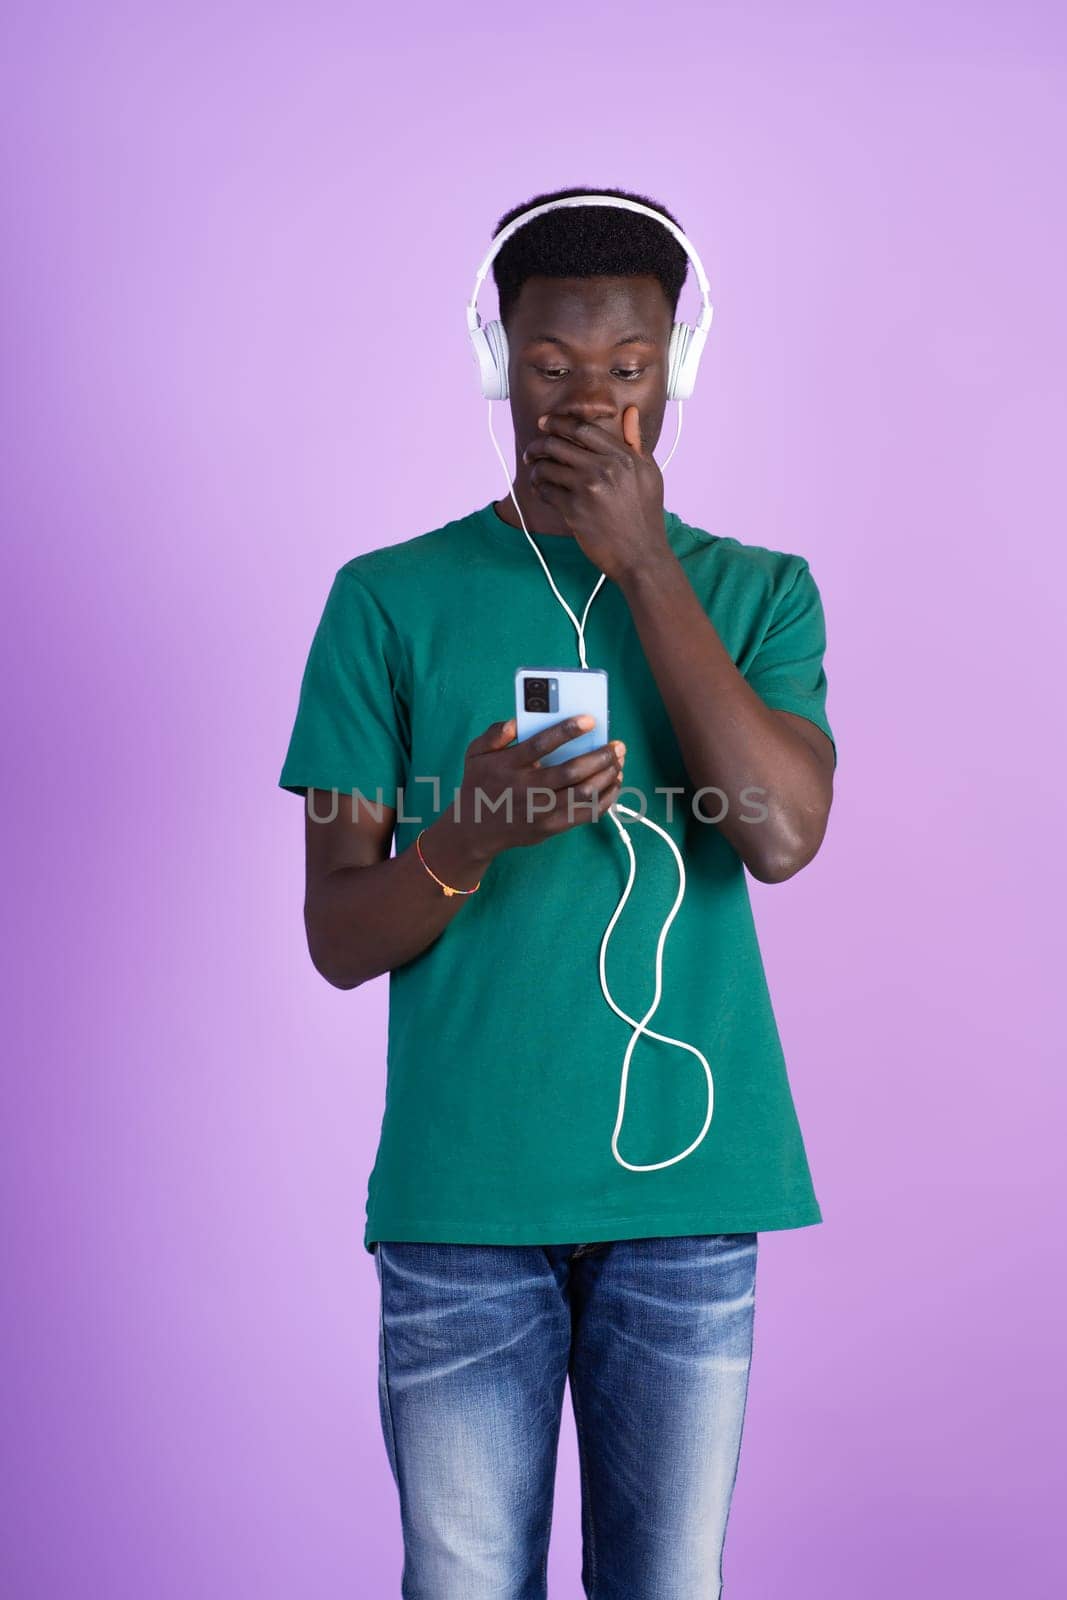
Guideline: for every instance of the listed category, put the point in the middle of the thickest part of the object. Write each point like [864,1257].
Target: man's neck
[505,510]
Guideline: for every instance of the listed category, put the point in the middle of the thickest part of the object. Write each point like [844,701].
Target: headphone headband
[500,239]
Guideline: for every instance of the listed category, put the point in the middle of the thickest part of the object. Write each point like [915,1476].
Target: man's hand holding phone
[545,801]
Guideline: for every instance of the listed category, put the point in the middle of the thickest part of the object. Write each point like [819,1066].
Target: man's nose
[591,404]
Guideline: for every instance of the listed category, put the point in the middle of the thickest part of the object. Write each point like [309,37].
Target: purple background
[236,248]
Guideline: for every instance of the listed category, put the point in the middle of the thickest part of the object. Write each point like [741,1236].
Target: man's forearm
[729,739]
[366,920]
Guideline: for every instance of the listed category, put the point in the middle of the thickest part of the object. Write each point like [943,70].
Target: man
[513,1250]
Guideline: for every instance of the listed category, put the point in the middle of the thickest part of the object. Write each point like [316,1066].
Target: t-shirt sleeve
[352,729]
[787,671]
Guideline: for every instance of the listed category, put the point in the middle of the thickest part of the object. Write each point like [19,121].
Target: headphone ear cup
[490,346]
[683,359]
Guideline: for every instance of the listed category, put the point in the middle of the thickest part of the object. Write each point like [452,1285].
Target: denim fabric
[476,1343]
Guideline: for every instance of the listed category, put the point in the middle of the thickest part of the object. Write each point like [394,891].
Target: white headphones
[490,345]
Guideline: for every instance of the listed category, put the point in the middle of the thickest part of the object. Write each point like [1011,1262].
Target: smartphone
[547,695]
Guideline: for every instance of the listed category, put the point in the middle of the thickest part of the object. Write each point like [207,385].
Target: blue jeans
[476,1343]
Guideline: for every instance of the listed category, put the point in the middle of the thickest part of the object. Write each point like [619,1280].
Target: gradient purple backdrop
[237,244]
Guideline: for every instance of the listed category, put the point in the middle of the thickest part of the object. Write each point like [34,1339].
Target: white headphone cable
[639,1027]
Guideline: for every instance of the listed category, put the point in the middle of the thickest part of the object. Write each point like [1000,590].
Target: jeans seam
[583,1461]
[744,1410]
[544,1560]
[385,1377]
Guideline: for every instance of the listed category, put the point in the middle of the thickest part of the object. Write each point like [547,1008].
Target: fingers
[563,451]
[545,740]
[609,797]
[578,768]
[495,737]
[587,801]
[553,474]
[590,435]
[631,428]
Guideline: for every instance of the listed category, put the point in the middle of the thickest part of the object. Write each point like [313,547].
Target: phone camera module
[535,694]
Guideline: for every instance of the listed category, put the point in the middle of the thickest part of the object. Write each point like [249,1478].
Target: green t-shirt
[504,1058]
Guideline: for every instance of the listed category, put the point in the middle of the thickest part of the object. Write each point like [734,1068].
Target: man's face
[587,348]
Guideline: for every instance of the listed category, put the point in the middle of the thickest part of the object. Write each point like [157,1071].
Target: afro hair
[586,242]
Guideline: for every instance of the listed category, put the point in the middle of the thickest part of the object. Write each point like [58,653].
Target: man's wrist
[657,571]
[455,851]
